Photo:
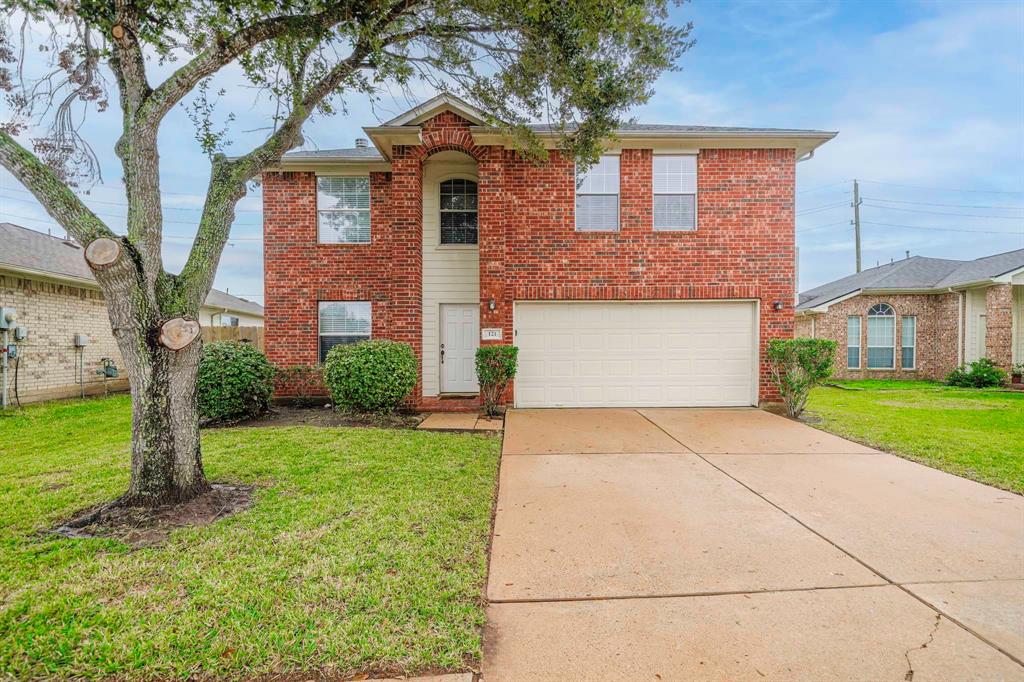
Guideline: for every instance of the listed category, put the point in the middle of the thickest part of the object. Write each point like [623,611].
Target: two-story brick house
[657,278]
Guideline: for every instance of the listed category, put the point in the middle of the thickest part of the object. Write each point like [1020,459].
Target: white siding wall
[974,332]
[451,274]
[206,317]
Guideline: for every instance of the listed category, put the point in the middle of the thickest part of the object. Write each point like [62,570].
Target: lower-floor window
[908,342]
[853,341]
[343,322]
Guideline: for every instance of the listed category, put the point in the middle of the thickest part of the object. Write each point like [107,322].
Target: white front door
[460,337]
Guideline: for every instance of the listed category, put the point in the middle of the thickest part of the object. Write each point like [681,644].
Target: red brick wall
[999,325]
[529,249]
[937,343]
[743,246]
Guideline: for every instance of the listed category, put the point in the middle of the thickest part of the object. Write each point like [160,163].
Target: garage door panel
[635,354]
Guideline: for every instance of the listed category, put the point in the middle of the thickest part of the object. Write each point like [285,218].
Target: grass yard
[365,550]
[977,433]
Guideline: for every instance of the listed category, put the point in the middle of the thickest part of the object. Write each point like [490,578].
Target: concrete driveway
[733,544]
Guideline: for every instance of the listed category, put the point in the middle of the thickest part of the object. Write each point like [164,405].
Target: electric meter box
[81,340]
[7,318]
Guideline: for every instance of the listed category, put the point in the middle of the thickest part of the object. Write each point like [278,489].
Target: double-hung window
[343,322]
[675,192]
[458,212]
[597,197]
[908,342]
[343,209]
[853,342]
[881,337]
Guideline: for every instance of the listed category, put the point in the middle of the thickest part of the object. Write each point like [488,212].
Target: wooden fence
[253,335]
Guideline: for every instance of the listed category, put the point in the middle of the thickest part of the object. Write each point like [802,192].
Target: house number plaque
[490,334]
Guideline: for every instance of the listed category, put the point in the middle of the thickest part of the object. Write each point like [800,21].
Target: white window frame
[850,345]
[442,211]
[873,315]
[364,307]
[585,186]
[679,186]
[903,341]
[320,210]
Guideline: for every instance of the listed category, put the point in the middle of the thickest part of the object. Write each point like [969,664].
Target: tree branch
[55,196]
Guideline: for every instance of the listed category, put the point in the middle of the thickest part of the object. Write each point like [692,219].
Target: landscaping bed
[363,552]
[977,433]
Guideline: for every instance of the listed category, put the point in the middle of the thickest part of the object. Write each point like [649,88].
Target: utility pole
[856,219]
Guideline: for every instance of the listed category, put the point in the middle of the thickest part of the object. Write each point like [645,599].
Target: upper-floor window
[458,212]
[881,337]
[343,209]
[597,197]
[675,192]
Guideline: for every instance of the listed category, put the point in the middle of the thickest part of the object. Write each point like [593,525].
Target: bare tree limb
[59,201]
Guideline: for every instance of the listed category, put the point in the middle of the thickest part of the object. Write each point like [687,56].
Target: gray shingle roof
[25,249]
[369,153]
[917,272]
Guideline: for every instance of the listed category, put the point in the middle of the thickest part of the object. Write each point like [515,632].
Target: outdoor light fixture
[777,305]
[491,305]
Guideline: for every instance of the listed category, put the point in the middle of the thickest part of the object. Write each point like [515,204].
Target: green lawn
[976,433]
[365,550]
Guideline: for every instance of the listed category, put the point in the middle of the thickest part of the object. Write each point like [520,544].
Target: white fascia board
[435,105]
[50,276]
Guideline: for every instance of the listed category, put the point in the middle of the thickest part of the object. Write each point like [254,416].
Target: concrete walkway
[734,544]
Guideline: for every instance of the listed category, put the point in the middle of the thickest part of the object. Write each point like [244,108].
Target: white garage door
[636,354]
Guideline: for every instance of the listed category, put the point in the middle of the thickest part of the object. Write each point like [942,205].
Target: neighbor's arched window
[458,212]
[881,337]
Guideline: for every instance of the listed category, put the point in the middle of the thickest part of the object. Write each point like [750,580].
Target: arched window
[458,212]
[881,337]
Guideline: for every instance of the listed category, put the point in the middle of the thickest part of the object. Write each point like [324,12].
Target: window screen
[853,342]
[881,337]
[597,197]
[343,210]
[343,323]
[908,341]
[675,192]
[458,212]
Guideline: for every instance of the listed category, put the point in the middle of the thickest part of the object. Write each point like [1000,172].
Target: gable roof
[915,274]
[404,129]
[31,252]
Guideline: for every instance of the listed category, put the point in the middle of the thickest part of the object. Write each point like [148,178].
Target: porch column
[999,324]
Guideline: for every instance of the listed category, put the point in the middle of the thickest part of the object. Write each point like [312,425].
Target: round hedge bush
[235,381]
[371,376]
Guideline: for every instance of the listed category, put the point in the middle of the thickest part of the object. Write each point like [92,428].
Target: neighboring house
[657,278]
[919,318]
[46,280]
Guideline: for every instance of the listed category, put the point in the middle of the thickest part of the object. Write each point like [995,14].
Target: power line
[815,189]
[945,189]
[943,229]
[821,227]
[928,203]
[823,207]
[125,205]
[959,215]
[116,215]
[166,236]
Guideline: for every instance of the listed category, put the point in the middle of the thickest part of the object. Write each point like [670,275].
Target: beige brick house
[45,279]
[919,318]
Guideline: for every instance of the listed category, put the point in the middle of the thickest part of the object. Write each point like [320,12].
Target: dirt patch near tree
[142,527]
[326,416]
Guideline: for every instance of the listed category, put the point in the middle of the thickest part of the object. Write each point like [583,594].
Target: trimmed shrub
[495,368]
[371,376]
[797,366]
[235,381]
[982,373]
[301,383]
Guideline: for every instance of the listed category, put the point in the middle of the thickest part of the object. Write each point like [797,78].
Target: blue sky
[928,99]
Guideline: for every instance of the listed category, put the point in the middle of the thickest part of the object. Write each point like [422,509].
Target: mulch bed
[146,527]
[325,416]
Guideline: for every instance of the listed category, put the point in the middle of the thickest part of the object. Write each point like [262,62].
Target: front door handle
[442,353]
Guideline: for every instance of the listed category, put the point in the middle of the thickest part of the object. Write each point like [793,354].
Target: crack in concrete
[931,637]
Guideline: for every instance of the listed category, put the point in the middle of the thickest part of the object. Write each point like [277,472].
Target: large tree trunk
[166,460]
